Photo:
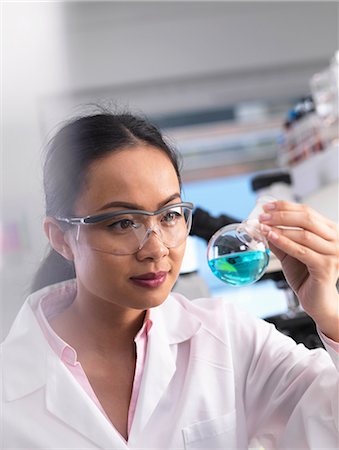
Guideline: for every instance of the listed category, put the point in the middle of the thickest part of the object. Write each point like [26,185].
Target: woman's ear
[57,238]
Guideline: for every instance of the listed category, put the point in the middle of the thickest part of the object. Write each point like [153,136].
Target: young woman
[112,359]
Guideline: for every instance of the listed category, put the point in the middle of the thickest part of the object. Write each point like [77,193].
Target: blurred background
[243,90]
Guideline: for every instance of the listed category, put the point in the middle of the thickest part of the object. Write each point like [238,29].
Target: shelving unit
[315,181]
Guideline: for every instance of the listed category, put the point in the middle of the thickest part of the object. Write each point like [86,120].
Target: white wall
[169,56]
[186,39]
[33,64]
[156,56]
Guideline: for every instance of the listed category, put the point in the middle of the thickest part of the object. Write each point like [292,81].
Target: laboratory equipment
[238,254]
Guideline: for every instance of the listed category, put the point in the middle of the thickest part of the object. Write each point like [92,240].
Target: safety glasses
[126,232]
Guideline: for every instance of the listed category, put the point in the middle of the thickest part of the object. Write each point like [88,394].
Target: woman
[113,360]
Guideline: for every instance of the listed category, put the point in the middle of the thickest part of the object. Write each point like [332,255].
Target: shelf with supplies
[309,142]
[315,181]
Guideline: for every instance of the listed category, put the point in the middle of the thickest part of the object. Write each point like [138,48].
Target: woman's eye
[171,217]
[123,224]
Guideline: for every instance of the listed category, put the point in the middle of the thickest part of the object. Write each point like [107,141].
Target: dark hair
[70,152]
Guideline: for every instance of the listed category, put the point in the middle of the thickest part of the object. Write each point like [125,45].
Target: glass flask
[238,254]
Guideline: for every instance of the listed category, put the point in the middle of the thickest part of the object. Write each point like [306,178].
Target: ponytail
[53,269]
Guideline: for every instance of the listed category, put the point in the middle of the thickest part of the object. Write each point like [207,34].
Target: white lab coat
[214,378]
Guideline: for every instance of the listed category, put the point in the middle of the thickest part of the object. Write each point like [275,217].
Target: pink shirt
[52,305]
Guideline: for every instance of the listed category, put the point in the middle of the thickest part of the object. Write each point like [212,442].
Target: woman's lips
[150,280]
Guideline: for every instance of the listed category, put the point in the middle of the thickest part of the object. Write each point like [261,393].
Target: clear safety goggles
[126,232]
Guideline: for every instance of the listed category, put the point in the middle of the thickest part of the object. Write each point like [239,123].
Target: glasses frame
[97,218]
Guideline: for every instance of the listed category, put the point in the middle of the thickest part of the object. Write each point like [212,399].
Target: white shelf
[315,181]
[312,175]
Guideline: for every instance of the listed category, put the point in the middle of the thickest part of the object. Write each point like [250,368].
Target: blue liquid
[240,269]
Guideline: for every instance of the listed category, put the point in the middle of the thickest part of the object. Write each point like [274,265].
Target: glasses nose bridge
[154,228]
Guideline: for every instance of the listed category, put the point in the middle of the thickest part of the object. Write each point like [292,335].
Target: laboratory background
[247,92]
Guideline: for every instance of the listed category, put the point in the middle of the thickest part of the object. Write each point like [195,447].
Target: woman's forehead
[142,175]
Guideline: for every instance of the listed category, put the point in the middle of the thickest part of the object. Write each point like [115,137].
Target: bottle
[238,254]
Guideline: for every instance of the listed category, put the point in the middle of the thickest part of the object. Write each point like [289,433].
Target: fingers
[287,214]
[304,238]
[309,237]
[282,246]
[280,254]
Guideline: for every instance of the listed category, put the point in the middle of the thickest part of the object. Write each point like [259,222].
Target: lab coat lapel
[158,371]
[21,373]
[66,400]
[171,325]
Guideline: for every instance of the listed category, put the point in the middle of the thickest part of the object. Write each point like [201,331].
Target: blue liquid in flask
[238,255]
[240,269]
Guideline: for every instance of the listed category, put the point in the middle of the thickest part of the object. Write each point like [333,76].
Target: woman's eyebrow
[127,205]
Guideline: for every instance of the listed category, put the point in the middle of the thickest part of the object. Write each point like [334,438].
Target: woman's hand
[309,254]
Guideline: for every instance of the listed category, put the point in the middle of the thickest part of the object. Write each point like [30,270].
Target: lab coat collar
[25,350]
[175,319]
[172,324]
[66,400]
[26,371]
[30,364]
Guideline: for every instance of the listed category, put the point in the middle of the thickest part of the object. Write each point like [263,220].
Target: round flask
[238,254]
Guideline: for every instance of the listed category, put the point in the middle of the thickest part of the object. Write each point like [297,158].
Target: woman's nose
[152,246]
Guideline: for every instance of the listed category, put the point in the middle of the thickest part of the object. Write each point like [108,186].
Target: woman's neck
[95,325]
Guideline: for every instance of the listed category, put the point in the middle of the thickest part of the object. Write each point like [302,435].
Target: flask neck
[258,209]
[249,230]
